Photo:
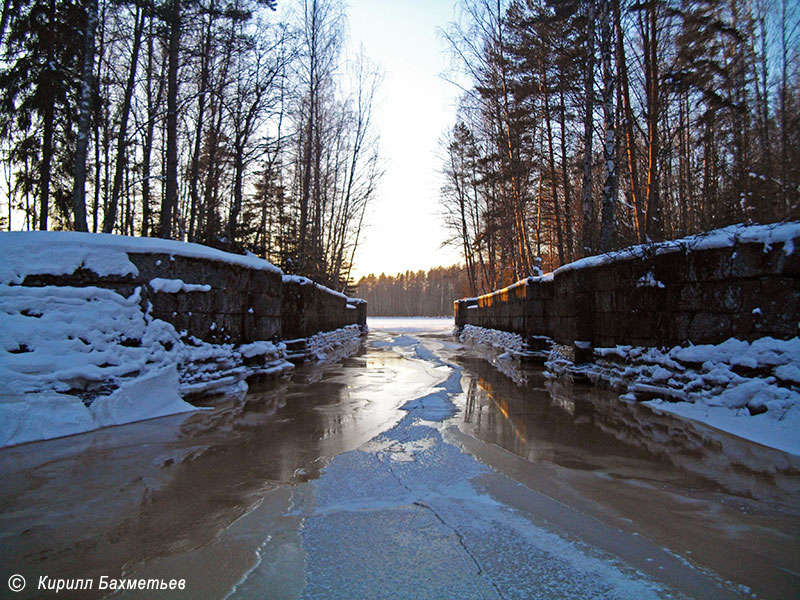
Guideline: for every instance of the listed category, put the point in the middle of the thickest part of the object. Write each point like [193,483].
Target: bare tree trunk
[84,120]
[10,8]
[312,39]
[44,169]
[194,173]
[608,218]
[628,122]
[48,125]
[122,135]
[522,246]
[552,162]
[568,226]
[212,177]
[97,120]
[785,55]
[709,175]
[588,134]
[654,220]
[170,199]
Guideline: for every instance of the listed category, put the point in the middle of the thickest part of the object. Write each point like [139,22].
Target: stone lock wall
[663,295]
[242,306]
[212,295]
[307,308]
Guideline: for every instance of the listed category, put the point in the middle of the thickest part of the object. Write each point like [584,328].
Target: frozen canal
[417,469]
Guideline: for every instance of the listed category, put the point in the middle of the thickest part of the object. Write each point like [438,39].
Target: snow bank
[328,346]
[749,389]
[77,358]
[48,415]
[509,345]
[503,341]
[63,252]
[175,286]
[152,395]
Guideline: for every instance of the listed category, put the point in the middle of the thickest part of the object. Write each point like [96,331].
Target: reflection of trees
[559,421]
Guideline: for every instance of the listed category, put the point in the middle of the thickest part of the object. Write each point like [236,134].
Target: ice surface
[402,517]
[411,324]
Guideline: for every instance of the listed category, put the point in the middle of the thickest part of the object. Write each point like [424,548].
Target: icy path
[409,515]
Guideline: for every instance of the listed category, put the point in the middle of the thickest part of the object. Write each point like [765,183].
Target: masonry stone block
[748,290]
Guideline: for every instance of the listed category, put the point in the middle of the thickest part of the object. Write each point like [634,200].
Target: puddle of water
[207,496]
[168,497]
[714,499]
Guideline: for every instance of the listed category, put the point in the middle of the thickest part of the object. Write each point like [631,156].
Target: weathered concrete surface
[308,308]
[243,304]
[654,298]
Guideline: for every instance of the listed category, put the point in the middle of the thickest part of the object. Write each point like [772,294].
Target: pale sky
[416,107]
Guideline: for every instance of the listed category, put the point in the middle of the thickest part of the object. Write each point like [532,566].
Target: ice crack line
[481,573]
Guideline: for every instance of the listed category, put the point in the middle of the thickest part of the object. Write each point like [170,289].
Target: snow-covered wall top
[215,296]
[64,252]
[739,281]
[726,237]
[300,280]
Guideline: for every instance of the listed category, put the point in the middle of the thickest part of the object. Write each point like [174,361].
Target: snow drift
[75,358]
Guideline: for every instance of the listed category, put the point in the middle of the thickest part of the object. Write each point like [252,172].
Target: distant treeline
[409,294]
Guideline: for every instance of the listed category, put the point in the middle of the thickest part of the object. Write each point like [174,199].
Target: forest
[414,294]
[583,125]
[225,122]
[589,125]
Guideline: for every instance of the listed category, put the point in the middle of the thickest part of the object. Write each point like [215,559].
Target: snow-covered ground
[79,358]
[412,324]
[71,354]
[748,389]
[73,359]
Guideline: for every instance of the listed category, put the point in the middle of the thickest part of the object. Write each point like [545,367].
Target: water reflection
[111,501]
[713,499]
[581,426]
